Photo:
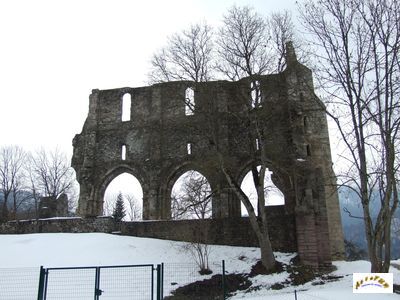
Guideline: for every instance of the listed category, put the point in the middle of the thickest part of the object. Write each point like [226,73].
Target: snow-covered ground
[28,252]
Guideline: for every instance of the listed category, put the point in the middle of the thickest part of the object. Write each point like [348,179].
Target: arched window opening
[126,107]
[273,195]
[255,94]
[127,188]
[189,148]
[191,197]
[123,152]
[189,101]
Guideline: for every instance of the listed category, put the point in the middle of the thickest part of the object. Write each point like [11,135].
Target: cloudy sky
[53,53]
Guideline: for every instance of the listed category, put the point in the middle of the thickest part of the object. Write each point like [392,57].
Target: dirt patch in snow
[259,269]
[211,288]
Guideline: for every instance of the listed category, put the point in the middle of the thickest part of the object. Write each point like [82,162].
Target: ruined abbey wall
[161,141]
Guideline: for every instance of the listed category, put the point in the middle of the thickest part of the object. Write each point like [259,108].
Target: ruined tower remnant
[160,138]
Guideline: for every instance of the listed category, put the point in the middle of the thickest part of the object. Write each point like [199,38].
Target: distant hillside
[353,228]
[28,203]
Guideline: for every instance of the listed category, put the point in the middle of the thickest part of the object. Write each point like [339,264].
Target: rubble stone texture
[50,207]
[158,134]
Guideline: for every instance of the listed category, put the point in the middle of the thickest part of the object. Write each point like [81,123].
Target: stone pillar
[152,210]
[220,202]
[225,204]
[312,223]
[306,236]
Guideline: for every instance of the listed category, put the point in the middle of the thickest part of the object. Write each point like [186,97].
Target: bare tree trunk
[259,226]
[267,255]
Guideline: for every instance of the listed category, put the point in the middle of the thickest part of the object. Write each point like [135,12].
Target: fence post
[158,282]
[162,281]
[295,295]
[42,281]
[223,280]
[97,291]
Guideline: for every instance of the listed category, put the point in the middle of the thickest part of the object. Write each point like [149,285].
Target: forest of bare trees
[26,177]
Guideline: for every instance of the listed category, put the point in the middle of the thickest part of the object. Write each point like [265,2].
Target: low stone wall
[229,231]
[55,225]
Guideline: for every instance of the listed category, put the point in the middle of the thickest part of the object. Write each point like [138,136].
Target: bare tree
[242,43]
[12,159]
[358,54]
[193,199]
[108,205]
[51,175]
[281,30]
[200,252]
[133,208]
[188,56]
[33,189]
[243,50]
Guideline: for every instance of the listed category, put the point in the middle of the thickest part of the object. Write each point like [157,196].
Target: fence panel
[19,283]
[107,282]
[127,282]
[70,283]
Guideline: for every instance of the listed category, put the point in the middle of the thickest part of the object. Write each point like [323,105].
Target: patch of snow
[99,249]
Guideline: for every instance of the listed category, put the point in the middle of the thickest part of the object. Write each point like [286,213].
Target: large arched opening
[273,195]
[124,185]
[191,197]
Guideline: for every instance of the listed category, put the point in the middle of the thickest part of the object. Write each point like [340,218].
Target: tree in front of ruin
[357,56]
[243,47]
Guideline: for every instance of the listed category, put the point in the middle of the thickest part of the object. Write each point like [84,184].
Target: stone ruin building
[51,207]
[160,140]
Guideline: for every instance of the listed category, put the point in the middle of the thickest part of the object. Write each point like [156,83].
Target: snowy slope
[93,249]
[99,249]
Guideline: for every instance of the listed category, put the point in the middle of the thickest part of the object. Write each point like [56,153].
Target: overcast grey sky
[53,53]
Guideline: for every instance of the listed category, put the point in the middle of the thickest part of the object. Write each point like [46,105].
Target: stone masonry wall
[57,225]
[227,231]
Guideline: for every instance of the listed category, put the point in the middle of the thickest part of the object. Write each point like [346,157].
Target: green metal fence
[147,282]
[105,282]
[19,283]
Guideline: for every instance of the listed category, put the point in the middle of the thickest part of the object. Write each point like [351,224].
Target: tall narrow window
[305,123]
[257,144]
[189,148]
[123,152]
[189,101]
[126,107]
[255,94]
[308,150]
